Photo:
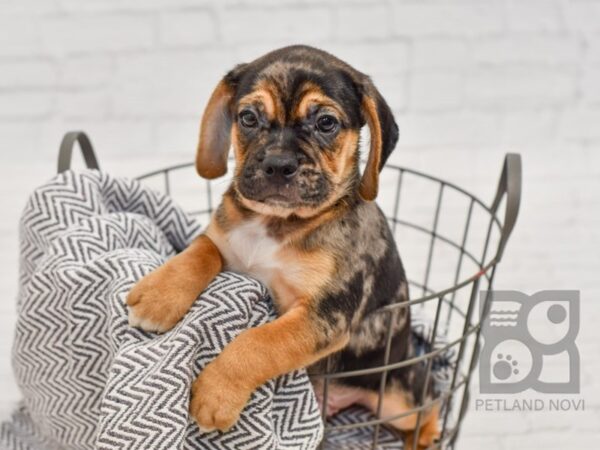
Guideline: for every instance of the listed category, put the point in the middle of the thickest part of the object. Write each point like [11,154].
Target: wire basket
[450,242]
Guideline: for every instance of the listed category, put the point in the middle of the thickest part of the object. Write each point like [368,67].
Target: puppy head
[293,118]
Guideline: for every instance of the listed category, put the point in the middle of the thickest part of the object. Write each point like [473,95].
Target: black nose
[282,166]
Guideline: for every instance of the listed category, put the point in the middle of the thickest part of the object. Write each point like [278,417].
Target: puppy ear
[215,128]
[384,136]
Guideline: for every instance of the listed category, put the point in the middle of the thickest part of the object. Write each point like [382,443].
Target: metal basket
[456,228]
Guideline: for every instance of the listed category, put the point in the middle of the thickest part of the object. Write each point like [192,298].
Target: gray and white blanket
[89,381]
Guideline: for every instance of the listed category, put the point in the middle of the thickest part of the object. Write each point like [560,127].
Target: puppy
[300,217]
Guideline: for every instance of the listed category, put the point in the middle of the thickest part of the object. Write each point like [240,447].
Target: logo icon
[529,342]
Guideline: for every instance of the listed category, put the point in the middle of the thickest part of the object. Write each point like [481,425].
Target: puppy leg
[295,339]
[160,299]
[396,401]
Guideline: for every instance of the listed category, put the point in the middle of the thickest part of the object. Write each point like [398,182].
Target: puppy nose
[280,166]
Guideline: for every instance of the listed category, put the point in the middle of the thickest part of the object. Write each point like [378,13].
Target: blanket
[88,379]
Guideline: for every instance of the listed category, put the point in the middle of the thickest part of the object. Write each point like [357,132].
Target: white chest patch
[251,251]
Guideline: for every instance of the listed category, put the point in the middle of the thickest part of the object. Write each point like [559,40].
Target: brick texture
[467,79]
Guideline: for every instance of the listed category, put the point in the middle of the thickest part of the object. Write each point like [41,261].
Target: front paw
[218,398]
[158,301]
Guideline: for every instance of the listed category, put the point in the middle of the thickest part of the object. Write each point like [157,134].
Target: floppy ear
[384,135]
[215,128]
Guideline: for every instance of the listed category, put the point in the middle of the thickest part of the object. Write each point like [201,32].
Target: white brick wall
[468,80]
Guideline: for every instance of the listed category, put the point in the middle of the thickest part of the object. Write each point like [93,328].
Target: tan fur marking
[238,153]
[330,162]
[342,160]
[264,98]
[313,95]
[231,212]
[370,179]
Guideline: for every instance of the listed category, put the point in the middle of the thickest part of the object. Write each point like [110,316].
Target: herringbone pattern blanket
[88,379]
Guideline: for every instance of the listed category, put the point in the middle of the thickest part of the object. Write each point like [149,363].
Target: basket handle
[509,185]
[65,151]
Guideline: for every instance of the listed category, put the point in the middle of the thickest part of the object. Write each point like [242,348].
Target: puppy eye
[248,119]
[326,124]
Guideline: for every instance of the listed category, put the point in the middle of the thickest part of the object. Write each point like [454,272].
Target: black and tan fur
[300,217]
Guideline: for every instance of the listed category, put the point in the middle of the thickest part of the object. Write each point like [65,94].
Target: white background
[468,81]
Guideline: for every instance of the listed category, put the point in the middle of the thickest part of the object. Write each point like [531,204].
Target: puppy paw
[158,301]
[218,398]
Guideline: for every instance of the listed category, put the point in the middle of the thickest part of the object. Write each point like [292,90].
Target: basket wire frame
[452,401]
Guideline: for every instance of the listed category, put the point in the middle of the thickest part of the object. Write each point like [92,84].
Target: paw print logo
[521,334]
[510,362]
[505,367]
